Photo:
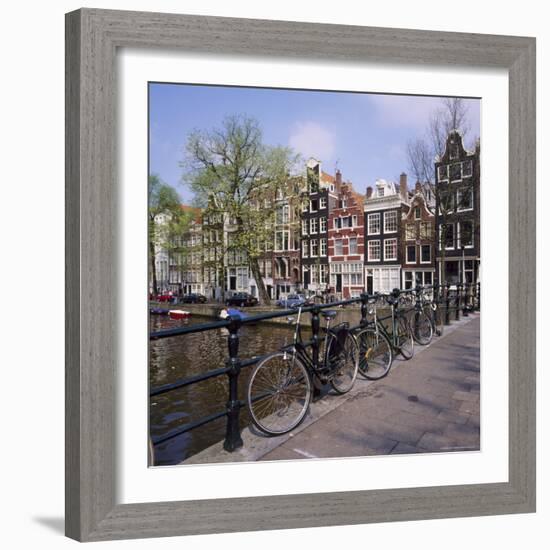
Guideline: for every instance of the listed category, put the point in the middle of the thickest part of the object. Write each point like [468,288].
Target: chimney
[338,177]
[417,187]
[403,189]
[369,192]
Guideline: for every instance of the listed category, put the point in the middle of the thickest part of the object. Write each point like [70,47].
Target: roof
[197,212]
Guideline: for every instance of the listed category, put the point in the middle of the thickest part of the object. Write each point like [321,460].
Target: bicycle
[423,326]
[377,346]
[280,388]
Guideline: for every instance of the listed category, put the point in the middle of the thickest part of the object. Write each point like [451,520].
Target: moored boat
[179,314]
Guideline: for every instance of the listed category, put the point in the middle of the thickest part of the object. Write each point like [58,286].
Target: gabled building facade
[457,216]
[417,239]
[383,210]
[317,201]
[346,238]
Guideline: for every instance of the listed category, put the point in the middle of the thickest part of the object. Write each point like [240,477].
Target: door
[338,282]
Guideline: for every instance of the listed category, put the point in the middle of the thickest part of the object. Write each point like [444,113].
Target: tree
[233,168]
[163,200]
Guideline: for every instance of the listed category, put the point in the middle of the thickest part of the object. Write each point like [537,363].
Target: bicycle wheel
[343,357]
[405,340]
[279,393]
[422,328]
[375,354]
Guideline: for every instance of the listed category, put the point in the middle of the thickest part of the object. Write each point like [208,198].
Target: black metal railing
[463,296]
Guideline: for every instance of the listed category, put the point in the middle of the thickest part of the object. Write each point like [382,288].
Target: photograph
[314,274]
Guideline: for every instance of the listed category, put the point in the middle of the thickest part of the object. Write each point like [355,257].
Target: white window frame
[372,242]
[342,252]
[313,226]
[311,205]
[393,258]
[429,261]
[322,203]
[322,247]
[471,169]
[322,225]
[356,239]
[417,209]
[305,249]
[459,234]
[461,191]
[407,261]
[354,220]
[304,227]
[442,237]
[407,226]
[446,178]
[311,245]
[386,215]
[373,216]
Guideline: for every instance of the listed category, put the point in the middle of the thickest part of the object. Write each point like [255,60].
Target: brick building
[417,239]
[346,237]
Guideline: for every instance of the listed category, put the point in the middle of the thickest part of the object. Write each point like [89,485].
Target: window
[322,225]
[448,235]
[305,249]
[314,248]
[417,213]
[390,249]
[338,247]
[323,247]
[305,205]
[322,203]
[454,150]
[268,269]
[313,223]
[468,271]
[425,230]
[410,232]
[380,191]
[425,254]
[353,245]
[447,203]
[323,272]
[354,221]
[342,203]
[443,173]
[304,227]
[466,233]
[390,221]
[281,240]
[313,205]
[408,279]
[465,199]
[282,214]
[374,251]
[411,254]
[455,171]
[467,169]
[373,224]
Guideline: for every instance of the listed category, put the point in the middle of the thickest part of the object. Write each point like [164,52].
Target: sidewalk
[428,404]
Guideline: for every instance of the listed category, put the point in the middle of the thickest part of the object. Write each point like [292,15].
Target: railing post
[466,300]
[315,327]
[457,301]
[447,305]
[364,308]
[478,296]
[233,438]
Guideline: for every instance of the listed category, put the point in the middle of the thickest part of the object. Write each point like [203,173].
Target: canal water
[172,359]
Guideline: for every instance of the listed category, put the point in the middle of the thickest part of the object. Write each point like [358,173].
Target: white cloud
[312,140]
[412,111]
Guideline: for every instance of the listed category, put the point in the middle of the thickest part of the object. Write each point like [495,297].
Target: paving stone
[403,448]
[465,396]
[469,408]
[435,442]
[453,416]
[283,453]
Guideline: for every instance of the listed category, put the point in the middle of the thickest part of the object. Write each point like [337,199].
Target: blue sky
[365,135]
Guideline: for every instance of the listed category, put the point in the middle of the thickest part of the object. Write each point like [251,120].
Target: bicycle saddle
[329,313]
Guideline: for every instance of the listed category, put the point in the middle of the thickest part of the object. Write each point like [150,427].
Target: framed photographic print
[289,250]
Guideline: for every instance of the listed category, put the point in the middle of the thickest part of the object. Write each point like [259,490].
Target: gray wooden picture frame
[92,39]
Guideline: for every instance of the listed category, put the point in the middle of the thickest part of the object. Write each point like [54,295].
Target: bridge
[427,404]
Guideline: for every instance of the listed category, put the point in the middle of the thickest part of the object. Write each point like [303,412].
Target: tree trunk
[153,270]
[263,296]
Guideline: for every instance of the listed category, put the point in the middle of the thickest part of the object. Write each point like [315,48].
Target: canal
[171,359]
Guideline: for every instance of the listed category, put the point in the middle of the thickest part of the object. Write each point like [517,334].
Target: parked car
[291,301]
[164,297]
[194,298]
[241,299]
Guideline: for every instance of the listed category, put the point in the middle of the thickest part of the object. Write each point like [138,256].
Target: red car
[164,298]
